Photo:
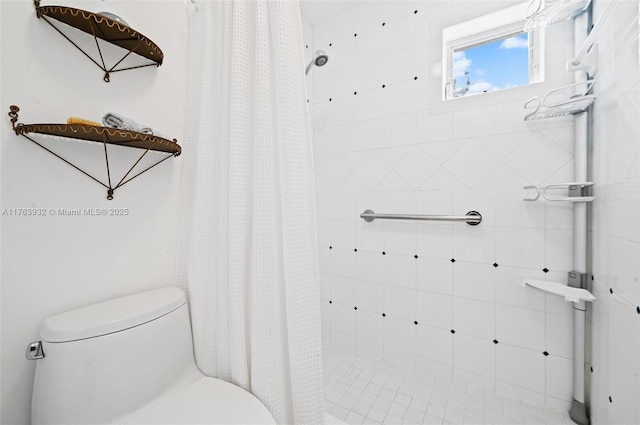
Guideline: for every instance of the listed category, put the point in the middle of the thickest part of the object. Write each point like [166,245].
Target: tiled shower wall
[439,297]
[615,395]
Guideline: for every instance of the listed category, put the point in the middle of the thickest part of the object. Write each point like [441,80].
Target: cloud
[515,43]
[461,64]
[481,87]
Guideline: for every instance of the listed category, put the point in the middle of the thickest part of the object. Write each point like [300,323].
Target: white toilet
[130,361]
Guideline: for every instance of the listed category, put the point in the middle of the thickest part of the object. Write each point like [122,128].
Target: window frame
[485,29]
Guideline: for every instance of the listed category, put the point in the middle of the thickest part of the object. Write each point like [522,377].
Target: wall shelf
[569,293]
[104,135]
[576,192]
[568,100]
[105,27]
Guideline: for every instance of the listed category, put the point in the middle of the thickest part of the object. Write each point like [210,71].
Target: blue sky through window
[497,65]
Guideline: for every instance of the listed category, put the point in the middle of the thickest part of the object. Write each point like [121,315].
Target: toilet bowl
[130,361]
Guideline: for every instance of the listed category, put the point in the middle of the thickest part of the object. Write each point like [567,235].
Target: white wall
[400,149]
[615,395]
[52,264]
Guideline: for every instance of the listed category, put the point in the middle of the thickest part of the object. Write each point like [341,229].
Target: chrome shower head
[320,58]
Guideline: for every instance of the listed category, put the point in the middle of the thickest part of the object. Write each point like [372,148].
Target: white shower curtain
[248,252]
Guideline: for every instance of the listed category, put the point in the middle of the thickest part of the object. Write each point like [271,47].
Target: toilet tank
[108,359]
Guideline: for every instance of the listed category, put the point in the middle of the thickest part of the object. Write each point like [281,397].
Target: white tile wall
[615,381]
[385,141]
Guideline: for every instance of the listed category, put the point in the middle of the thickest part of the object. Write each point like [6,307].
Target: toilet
[130,361]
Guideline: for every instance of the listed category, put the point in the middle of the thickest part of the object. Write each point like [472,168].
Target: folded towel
[121,122]
[82,121]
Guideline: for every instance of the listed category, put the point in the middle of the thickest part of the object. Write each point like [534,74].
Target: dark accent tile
[415,11]
[384,315]
[453,260]
[415,256]
[355,249]
[610,399]
[384,85]
[545,270]
[384,23]
[495,264]
[355,35]
[355,93]
[415,322]
[415,78]
[330,99]
[545,353]
[453,331]
[611,290]
[330,247]
[330,44]
[355,308]
[495,341]
[591,368]
[384,253]
[330,302]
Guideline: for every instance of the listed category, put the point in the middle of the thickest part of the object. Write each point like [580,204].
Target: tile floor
[363,390]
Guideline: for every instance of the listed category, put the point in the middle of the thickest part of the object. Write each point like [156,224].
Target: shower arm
[306,70]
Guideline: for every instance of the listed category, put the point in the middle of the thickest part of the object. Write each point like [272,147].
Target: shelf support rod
[105,137]
[134,165]
[74,44]
[104,66]
[65,160]
[125,56]
[143,171]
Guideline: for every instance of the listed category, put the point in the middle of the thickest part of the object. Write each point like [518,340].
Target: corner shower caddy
[103,26]
[104,135]
[571,100]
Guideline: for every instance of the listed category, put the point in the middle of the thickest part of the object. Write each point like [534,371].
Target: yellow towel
[82,121]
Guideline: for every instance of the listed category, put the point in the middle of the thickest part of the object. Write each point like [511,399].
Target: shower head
[320,58]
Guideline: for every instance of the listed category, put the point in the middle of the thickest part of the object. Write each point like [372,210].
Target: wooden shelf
[103,28]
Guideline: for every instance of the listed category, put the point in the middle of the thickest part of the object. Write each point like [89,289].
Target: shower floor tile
[363,390]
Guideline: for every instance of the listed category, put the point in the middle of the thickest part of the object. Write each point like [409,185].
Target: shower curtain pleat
[248,254]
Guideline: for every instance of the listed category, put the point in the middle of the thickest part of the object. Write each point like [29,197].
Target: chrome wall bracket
[577,279]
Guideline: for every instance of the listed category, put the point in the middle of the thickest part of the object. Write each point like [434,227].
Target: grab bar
[472,218]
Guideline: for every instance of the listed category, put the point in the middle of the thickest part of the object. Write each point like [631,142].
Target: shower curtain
[248,253]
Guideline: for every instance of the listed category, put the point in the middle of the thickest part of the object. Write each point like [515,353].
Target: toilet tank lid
[111,316]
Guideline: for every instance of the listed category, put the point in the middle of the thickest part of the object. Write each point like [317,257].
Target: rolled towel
[121,122]
[82,121]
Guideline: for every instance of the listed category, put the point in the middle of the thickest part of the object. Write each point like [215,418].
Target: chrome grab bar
[472,218]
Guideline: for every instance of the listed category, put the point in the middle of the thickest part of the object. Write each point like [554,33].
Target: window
[490,53]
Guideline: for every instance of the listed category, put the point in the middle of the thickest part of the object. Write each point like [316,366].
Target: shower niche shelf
[105,136]
[107,27]
[541,15]
[568,100]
